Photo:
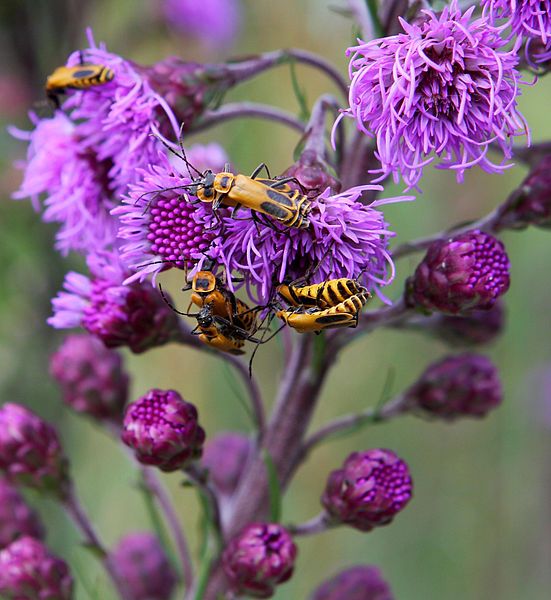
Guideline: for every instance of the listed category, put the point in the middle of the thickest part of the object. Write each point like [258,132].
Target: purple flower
[28,571]
[163,430]
[468,271]
[444,89]
[91,377]
[30,451]
[356,583]
[225,457]
[141,563]
[259,558]
[369,489]
[120,315]
[529,19]
[74,181]
[16,517]
[215,22]
[466,385]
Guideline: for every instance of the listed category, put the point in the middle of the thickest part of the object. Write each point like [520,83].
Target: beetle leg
[259,168]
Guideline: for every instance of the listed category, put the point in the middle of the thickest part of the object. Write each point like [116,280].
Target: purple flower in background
[28,571]
[529,19]
[91,377]
[369,489]
[30,451]
[259,558]
[141,563]
[466,385]
[120,315]
[16,517]
[225,456]
[356,583]
[215,22]
[468,271]
[163,430]
[444,89]
[73,180]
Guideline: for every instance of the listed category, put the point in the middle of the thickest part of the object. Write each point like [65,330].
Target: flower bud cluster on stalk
[115,168]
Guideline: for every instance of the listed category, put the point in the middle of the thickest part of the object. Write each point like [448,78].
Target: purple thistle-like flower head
[466,385]
[120,315]
[530,204]
[214,22]
[530,19]
[16,517]
[163,430]
[259,558]
[28,571]
[225,457]
[445,88]
[468,271]
[73,180]
[356,583]
[369,489]
[30,451]
[141,563]
[91,376]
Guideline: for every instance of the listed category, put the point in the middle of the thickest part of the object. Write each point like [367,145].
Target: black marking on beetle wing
[279,197]
[81,73]
[274,210]
[334,319]
[333,296]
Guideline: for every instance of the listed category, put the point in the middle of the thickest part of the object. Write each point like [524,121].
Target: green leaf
[274,489]
[90,589]
[374,14]
[237,390]
[387,388]
[98,553]
[300,94]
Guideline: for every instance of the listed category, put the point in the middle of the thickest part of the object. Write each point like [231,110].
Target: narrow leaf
[300,94]
[274,489]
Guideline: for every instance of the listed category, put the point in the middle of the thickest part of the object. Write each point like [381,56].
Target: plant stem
[200,480]
[315,129]
[315,525]
[81,520]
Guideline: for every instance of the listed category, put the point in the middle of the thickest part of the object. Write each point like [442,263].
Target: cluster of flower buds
[163,430]
[259,558]
[357,583]
[16,517]
[368,490]
[225,457]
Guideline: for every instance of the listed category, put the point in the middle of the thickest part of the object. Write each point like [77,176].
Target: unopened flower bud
[369,489]
[30,451]
[312,174]
[225,457]
[28,571]
[466,385]
[462,273]
[259,558]
[530,204]
[16,517]
[141,563]
[163,430]
[91,377]
[357,583]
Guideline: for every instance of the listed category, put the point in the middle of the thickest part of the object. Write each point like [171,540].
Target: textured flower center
[154,412]
[174,234]
[490,268]
[392,481]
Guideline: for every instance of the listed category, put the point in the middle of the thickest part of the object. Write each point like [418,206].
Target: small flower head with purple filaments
[529,19]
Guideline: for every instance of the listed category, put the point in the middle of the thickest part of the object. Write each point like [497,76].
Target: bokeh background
[479,525]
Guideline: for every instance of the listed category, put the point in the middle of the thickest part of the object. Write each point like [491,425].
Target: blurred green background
[479,526]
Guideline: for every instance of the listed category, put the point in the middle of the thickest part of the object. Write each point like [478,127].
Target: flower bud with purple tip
[225,457]
[30,451]
[312,174]
[368,490]
[140,561]
[259,558]
[357,583]
[91,377]
[28,571]
[466,385]
[468,271]
[16,517]
[163,430]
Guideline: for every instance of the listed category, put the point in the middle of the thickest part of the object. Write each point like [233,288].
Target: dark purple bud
[462,273]
[29,572]
[135,316]
[259,558]
[16,517]
[466,385]
[313,175]
[530,204]
[141,563]
[30,451]
[472,328]
[369,489]
[163,430]
[91,377]
[356,583]
[225,457]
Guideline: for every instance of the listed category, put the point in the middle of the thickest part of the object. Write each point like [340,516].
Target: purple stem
[158,491]
[239,110]
[373,319]
[317,524]
[315,129]
[80,518]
